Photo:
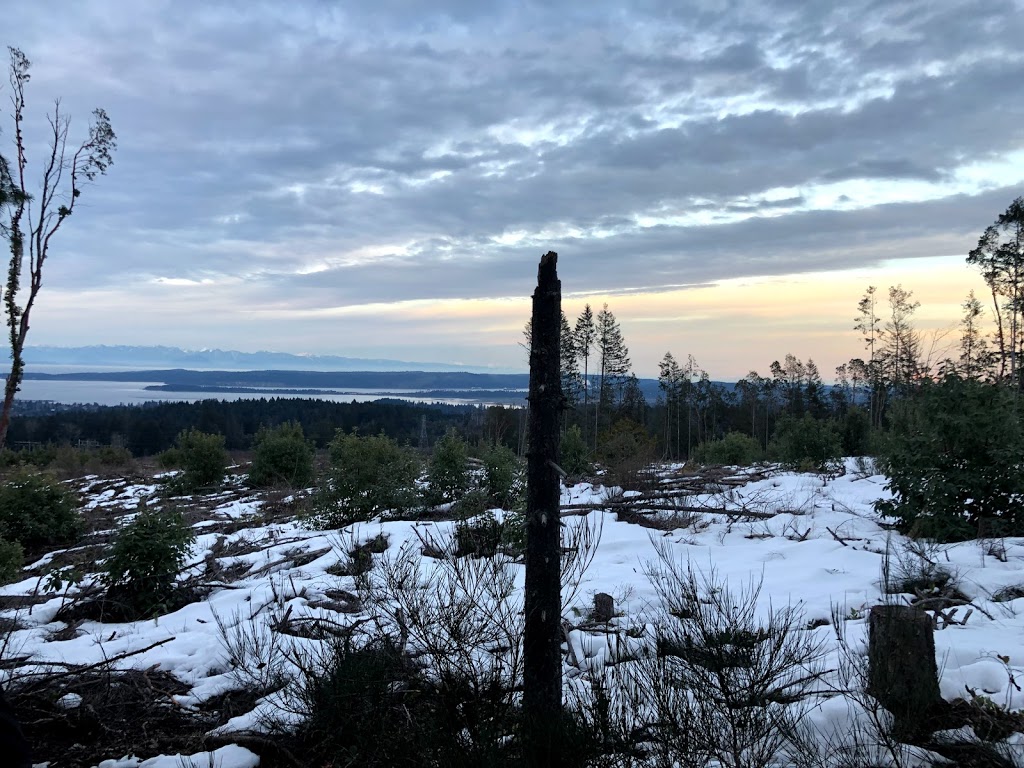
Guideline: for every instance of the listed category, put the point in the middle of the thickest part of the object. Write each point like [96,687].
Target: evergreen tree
[613,357]
[572,381]
[870,325]
[814,391]
[584,338]
[633,405]
[789,378]
[670,381]
[975,361]
[1000,257]
[901,343]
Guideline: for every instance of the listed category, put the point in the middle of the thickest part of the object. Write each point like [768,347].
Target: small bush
[627,451]
[735,449]
[360,702]
[478,537]
[369,476]
[755,670]
[141,571]
[503,477]
[473,503]
[202,459]
[69,460]
[37,510]
[11,561]
[282,457]
[574,454]
[448,473]
[807,444]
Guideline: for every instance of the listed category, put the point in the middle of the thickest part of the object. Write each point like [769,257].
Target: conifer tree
[613,356]
[975,361]
[572,381]
[584,337]
[1000,257]
[670,381]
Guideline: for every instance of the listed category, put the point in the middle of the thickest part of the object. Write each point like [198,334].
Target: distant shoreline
[447,394]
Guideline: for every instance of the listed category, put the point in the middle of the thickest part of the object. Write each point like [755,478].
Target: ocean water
[134,392]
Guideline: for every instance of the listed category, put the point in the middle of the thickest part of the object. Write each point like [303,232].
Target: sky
[380,179]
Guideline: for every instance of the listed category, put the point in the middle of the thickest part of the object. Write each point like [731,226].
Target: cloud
[322,155]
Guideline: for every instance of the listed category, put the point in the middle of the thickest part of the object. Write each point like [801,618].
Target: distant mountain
[144,357]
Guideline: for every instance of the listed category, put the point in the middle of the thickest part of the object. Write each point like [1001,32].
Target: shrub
[447,472]
[627,451]
[953,458]
[200,456]
[735,449]
[368,476]
[729,680]
[503,477]
[574,454]
[282,457]
[486,534]
[10,561]
[359,701]
[141,571]
[38,510]
[71,460]
[806,444]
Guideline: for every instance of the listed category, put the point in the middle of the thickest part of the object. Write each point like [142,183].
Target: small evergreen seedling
[142,569]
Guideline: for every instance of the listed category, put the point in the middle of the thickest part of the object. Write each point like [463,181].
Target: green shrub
[448,473]
[70,460]
[368,476]
[857,435]
[38,456]
[11,560]
[735,449]
[953,458]
[573,452]
[37,510]
[503,477]
[627,452]
[142,568]
[807,444]
[202,459]
[283,456]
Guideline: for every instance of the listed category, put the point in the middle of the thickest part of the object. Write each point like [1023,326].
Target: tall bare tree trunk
[542,653]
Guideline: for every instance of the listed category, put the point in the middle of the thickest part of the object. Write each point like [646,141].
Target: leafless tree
[32,215]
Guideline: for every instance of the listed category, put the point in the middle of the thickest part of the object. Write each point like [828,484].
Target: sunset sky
[380,179]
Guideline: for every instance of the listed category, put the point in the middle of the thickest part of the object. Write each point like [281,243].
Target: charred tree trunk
[902,673]
[542,652]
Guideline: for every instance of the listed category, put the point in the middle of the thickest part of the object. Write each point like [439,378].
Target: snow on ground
[815,543]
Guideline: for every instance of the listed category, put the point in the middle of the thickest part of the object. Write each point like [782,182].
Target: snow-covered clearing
[811,541]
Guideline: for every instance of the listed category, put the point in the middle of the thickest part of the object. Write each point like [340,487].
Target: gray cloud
[396,147]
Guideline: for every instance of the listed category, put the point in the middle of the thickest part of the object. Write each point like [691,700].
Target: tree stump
[902,674]
[604,608]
